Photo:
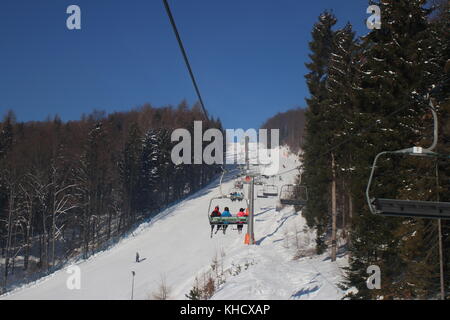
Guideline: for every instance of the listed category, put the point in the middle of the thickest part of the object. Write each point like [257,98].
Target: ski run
[175,248]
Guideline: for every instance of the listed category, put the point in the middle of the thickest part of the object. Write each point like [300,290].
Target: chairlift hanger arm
[369,184]
[436,127]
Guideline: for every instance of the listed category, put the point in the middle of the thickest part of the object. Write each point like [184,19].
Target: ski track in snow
[176,246]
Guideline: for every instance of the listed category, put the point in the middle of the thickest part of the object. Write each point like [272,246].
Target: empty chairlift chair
[258,181]
[409,208]
[260,193]
[294,195]
[270,190]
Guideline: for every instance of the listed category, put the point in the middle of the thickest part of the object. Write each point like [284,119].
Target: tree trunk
[8,242]
[53,237]
[333,211]
[350,217]
[28,237]
[344,211]
[108,232]
[441,260]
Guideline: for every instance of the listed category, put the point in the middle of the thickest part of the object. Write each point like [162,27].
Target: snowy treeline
[291,125]
[69,189]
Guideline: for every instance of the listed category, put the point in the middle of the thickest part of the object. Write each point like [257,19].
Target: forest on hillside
[368,95]
[291,125]
[69,189]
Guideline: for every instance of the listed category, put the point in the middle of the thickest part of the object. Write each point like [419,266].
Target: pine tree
[130,169]
[441,94]
[393,81]
[93,185]
[6,142]
[316,163]
[166,165]
[6,134]
[340,112]
[150,169]
[194,294]
[157,168]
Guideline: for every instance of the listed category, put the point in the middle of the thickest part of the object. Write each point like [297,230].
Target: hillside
[177,247]
[291,125]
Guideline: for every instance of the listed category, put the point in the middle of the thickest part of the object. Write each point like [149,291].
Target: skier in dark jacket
[215,213]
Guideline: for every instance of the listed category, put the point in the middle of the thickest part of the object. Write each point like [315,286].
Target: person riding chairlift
[225,213]
[236,196]
[241,213]
[215,213]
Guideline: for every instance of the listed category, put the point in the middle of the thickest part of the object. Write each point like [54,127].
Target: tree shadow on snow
[341,252]
[283,220]
[262,212]
[304,291]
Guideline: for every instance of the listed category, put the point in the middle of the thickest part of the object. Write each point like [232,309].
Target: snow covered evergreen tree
[130,174]
[394,78]
[157,168]
[93,185]
[317,166]
[150,169]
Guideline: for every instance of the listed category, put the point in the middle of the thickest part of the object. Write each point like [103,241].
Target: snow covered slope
[176,246]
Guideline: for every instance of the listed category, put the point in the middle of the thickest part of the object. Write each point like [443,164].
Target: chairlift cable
[185,57]
[345,141]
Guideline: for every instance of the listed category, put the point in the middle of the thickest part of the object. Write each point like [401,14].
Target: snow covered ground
[176,246]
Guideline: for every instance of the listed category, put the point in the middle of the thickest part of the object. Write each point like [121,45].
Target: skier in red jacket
[241,213]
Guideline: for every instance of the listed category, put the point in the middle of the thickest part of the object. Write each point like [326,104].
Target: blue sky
[248,55]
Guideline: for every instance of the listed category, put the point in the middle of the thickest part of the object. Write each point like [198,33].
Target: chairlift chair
[270,190]
[236,195]
[239,185]
[409,208]
[260,193]
[258,181]
[225,220]
[294,195]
